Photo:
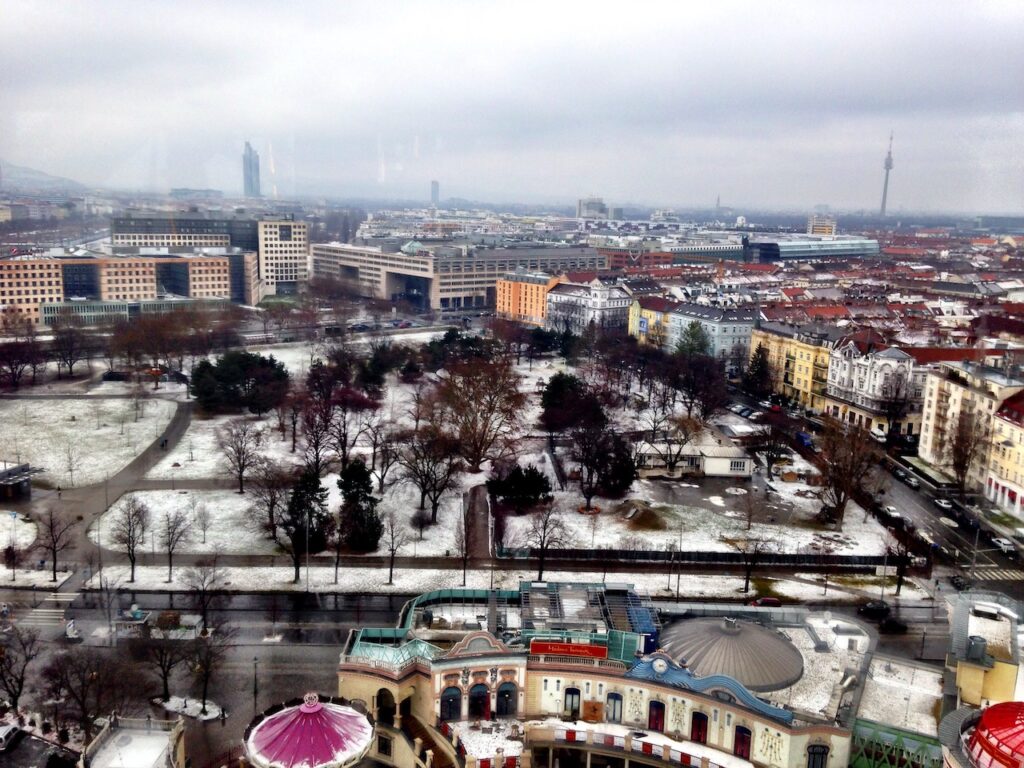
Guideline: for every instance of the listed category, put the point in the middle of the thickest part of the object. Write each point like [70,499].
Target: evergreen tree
[695,341]
[620,470]
[307,509]
[361,524]
[757,381]
[521,488]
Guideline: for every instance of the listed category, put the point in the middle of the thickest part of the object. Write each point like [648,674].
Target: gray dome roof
[762,659]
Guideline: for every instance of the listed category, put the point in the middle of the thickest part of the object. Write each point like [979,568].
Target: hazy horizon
[773,107]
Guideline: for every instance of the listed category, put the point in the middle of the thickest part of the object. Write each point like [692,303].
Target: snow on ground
[35,578]
[902,694]
[481,743]
[418,581]
[16,530]
[190,707]
[706,527]
[100,436]
[198,456]
[231,529]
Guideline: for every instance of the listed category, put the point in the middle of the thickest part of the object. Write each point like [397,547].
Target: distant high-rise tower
[251,171]
[888,167]
[435,193]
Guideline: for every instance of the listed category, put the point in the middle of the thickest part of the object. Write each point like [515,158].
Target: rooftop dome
[761,659]
[998,739]
[312,734]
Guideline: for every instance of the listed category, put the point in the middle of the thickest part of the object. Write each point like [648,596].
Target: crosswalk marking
[49,617]
[998,574]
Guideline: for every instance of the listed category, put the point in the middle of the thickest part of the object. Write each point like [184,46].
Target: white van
[7,734]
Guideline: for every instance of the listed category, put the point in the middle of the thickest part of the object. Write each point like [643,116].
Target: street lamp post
[307,549]
[255,683]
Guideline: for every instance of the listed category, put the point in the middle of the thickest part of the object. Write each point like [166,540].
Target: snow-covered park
[417,581]
[79,442]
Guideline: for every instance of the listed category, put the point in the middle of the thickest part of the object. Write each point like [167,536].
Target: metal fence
[792,560]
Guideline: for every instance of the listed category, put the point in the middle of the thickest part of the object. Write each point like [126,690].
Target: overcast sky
[783,105]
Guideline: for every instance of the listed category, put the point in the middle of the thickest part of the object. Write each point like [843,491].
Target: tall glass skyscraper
[251,171]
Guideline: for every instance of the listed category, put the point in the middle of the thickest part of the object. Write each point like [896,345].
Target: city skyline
[769,109]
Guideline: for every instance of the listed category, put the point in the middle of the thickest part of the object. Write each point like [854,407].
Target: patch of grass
[1001,518]
[863,581]
[761,586]
[647,520]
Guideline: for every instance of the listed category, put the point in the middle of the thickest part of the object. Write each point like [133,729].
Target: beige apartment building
[284,255]
[27,284]
[443,277]
[122,240]
[963,387]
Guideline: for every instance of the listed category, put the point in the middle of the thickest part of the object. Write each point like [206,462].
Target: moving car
[890,625]
[912,481]
[767,602]
[875,609]
[1004,545]
[944,504]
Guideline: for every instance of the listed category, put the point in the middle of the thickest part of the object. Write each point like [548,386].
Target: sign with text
[568,649]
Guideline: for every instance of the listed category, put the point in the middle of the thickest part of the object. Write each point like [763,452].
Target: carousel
[312,734]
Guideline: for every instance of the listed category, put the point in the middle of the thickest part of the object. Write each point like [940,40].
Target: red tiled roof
[929,355]
[827,312]
[792,293]
[657,303]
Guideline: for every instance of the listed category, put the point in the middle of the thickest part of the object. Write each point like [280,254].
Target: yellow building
[649,319]
[983,650]
[799,358]
[522,296]
[1005,482]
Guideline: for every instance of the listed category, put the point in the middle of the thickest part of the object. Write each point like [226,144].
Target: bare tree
[162,656]
[55,536]
[350,418]
[128,528]
[90,683]
[21,649]
[547,531]
[772,443]
[72,456]
[205,582]
[395,537]
[894,401]
[175,533]
[965,448]
[463,533]
[431,461]
[208,653]
[317,415]
[752,552]
[848,457]
[270,487]
[109,590]
[483,408]
[240,441]
[384,453]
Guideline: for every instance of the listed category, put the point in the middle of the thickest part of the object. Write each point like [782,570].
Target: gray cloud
[767,104]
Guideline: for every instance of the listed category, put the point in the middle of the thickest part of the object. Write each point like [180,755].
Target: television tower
[888,167]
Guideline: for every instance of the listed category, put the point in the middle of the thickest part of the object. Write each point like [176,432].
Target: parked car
[767,602]
[912,481]
[8,733]
[756,416]
[875,609]
[745,412]
[1004,545]
[943,504]
[766,404]
[899,474]
[890,625]
[115,376]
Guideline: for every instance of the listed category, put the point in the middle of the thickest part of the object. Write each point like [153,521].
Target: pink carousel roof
[310,735]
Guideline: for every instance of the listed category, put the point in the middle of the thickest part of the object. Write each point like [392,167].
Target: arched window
[817,756]
[613,712]
[508,696]
[741,744]
[699,728]
[451,704]
[480,702]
